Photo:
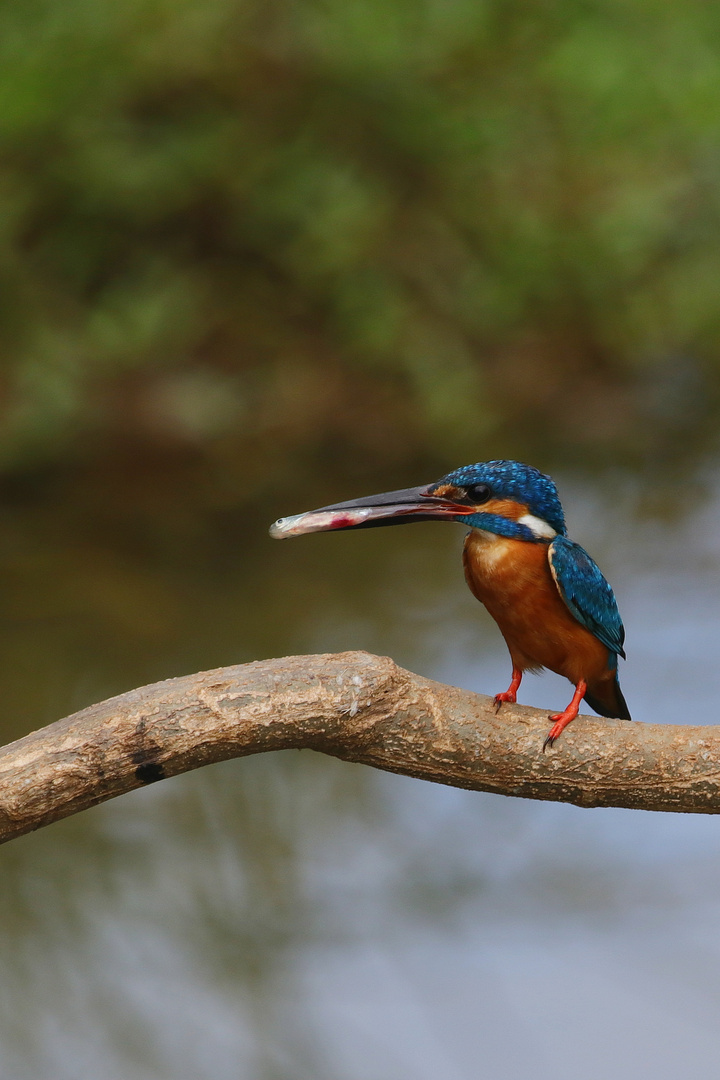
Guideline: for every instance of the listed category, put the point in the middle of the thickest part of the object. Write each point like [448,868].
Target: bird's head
[502,497]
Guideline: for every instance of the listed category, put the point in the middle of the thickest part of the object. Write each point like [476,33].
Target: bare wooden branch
[360,708]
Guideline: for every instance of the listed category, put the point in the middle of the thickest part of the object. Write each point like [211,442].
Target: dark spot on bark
[148,770]
[148,774]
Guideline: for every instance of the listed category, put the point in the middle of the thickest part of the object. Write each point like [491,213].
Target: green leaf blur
[267,235]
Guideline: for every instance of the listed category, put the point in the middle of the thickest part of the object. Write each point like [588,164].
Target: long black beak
[390,508]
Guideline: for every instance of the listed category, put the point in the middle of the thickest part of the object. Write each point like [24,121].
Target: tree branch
[360,708]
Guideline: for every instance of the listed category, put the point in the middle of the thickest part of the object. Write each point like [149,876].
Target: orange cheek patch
[504,508]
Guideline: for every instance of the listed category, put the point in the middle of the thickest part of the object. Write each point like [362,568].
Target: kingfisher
[549,598]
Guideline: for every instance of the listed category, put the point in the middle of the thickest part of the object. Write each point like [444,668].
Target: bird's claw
[549,740]
[506,696]
[560,722]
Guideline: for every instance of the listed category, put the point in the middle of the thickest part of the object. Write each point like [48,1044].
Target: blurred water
[290,916]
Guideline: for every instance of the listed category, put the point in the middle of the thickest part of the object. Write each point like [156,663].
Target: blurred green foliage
[262,234]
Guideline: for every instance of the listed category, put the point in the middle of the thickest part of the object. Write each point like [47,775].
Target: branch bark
[359,708]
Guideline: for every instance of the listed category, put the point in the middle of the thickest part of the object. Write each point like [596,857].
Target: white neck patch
[537,527]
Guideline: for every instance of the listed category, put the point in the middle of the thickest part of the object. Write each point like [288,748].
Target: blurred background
[259,256]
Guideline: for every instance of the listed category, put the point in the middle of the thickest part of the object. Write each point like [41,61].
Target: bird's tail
[606,698]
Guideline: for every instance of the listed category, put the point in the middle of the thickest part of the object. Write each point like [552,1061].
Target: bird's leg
[562,719]
[511,693]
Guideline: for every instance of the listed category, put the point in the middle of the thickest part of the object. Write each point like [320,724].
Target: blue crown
[513,480]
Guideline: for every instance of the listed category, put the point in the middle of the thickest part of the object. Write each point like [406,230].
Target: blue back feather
[586,592]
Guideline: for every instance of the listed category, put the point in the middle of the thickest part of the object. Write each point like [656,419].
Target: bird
[548,597]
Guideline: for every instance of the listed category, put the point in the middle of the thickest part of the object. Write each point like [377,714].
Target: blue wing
[586,592]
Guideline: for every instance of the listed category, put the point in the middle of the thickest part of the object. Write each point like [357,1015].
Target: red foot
[509,695]
[564,718]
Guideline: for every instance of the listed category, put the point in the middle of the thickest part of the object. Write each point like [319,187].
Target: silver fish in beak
[389,508]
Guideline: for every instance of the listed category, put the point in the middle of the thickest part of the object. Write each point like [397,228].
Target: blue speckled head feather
[513,480]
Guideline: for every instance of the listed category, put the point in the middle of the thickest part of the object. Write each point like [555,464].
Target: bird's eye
[478,493]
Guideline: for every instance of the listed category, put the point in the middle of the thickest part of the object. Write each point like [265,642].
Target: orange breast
[512,579]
